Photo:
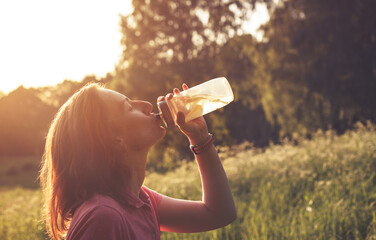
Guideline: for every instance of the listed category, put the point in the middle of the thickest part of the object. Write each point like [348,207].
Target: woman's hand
[216,208]
[196,130]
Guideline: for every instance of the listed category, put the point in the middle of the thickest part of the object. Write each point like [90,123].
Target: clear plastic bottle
[196,101]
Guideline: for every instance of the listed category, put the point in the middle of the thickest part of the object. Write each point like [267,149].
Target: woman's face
[137,126]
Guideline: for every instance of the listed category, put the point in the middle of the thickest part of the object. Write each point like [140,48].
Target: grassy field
[324,188]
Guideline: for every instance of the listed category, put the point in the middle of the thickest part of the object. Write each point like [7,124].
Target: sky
[44,42]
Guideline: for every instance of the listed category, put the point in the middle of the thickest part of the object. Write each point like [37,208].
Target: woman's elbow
[232,217]
[228,217]
[222,216]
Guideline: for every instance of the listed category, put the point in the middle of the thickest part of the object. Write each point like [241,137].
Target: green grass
[324,188]
[20,214]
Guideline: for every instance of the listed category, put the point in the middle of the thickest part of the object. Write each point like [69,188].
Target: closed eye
[129,104]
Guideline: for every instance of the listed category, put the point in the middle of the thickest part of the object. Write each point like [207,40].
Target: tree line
[315,68]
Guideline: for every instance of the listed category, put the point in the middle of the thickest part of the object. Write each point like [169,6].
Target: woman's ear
[120,143]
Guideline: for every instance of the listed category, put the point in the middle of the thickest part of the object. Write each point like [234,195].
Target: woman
[94,167]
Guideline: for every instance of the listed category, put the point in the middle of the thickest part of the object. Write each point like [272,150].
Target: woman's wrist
[203,145]
[198,138]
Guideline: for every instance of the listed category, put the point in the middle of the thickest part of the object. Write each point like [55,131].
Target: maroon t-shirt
[103,218]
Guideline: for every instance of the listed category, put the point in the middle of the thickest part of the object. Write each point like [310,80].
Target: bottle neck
[165,114]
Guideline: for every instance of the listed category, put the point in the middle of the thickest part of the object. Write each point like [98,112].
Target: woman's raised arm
[217,208]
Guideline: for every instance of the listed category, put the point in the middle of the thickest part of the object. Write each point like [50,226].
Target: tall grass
[20,214]
[324,188]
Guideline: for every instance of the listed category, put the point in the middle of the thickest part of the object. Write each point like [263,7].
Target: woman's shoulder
[150,192]
[100,217]
[100,204]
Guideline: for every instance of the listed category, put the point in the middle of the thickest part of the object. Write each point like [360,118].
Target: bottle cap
[166,114]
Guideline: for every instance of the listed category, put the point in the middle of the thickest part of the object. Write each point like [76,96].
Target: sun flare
[45,42]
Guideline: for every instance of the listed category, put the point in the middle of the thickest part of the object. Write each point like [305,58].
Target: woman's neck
[137,166]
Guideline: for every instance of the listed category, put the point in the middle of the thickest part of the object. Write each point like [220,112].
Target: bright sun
[44,42]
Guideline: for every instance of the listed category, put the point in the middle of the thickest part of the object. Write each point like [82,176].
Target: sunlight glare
[44,42]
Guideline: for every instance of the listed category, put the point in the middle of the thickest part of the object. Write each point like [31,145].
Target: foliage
[245,118]
[26,114]
[160,32]
[20,214]
[317,67]
[24,120]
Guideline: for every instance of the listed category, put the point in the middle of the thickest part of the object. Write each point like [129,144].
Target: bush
[28,167]
[12,171]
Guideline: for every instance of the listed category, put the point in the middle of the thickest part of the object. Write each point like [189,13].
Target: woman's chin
[163,130]
[161,133]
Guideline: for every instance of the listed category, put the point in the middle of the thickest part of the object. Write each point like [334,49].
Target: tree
[57,95]
[26,113]
[245,118]
[318,64]
[168,42]
[24,121]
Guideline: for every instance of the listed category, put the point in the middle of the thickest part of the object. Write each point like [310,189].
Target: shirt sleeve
[154,196]
[155,200]
[103,222]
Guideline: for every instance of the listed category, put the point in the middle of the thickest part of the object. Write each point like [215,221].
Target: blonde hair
[80,159]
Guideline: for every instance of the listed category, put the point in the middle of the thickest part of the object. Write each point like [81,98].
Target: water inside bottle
[201,104]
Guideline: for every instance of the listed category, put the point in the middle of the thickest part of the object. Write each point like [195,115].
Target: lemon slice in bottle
[194,113]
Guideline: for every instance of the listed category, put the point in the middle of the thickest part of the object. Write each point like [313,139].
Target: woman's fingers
[160,98]
[176,91]
[180,119]
[169,96]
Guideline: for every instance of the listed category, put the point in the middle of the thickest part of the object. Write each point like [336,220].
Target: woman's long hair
[81,159]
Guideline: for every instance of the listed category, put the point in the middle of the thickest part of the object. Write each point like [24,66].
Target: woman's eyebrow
[126,99]
[122,102]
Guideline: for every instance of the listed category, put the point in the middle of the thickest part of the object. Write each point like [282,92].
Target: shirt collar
[137,201]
